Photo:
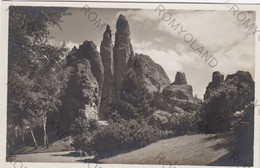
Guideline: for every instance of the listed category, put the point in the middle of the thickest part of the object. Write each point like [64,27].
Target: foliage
[82,125]
[243,130]
[36,77]
[119,136]
[218,109]
[134,100]
[184,123]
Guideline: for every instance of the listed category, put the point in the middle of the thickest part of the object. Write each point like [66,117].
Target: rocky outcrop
[245,85]
[106,52]
[176,104]
[180,79]
[240,79]
[226,98]
[152,75]
[88,50]
[177,95]
[82,95]
[217,79]
[122,51]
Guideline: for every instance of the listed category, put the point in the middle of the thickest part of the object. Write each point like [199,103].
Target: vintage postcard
[105,84]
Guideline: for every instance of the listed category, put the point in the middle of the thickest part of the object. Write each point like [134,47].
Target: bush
[82,131]
[134,100]
[184,123]
[243,130]
[218,109]
[119,136]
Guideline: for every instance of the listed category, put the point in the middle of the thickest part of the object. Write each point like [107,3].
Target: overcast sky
[219,32]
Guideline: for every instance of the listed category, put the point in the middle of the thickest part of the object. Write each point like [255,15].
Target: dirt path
[183,150]
[62,157]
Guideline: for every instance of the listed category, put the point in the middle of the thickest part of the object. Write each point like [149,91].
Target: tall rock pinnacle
[180,78]
[122,51]
[106,52]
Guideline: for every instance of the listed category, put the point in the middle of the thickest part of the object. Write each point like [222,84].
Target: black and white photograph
[132,84]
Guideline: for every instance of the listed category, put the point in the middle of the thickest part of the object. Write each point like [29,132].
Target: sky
[218,32]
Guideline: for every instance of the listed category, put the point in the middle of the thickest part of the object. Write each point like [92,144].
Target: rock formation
[82,94]
[122,51]
[224,98]
[152,75]
[217,79]
[180,79]
[89,51]
[174,104]
[239,79]
[242,77]
[245,85]
[177,94]
[106,52]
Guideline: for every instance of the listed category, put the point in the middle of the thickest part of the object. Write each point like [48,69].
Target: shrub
[134,100]
[119,136]
[243,130]
[82,131]
[184,123]
[218,109]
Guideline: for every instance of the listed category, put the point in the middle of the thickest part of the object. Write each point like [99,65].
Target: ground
[197,149]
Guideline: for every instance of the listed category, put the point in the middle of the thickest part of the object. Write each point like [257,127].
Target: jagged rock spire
[106,52]
[180,79]
[122,51]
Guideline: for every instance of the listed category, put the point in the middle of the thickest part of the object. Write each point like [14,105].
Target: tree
[36,76]
[134,99]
